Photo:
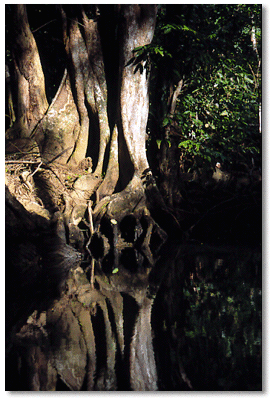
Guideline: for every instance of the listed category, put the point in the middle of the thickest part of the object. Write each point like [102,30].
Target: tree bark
[138,24]
[31,101]
[89,327]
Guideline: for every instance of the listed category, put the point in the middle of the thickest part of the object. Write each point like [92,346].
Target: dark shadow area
[100,340]
[45,26]
[94,136]
[130,312]
[127,228]
[208,315]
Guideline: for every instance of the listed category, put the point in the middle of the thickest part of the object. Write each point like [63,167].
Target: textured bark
[87,68]
[31,98]
[138,24]
[112,174]
[58,130]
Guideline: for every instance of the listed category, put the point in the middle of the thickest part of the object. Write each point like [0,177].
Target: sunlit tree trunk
[31,103]
[86,347]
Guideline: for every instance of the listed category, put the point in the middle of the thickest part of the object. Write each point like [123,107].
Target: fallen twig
[37,169]
[21,162]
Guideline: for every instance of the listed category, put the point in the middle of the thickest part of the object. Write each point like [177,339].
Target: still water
[208,316]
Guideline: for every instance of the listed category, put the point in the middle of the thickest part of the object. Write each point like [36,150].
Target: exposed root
[120,204]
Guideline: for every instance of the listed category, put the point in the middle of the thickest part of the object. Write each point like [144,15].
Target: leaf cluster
[216,50]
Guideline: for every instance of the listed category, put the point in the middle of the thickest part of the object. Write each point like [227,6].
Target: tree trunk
[28,76]
[88,217]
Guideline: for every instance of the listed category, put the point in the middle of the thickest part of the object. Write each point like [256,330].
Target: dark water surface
[207,319]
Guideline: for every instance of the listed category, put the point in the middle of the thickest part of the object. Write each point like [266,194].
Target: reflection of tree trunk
[86,338]
[143,368]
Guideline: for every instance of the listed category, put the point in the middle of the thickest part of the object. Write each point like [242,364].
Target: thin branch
[40,27]
[36,170]
[90,217]
[208,211]
[21,162]
[37,162]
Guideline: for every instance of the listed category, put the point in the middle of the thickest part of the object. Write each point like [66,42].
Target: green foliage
[220,119]
[216,50]
[144,56]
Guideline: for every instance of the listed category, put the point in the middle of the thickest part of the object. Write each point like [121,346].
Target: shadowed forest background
[133,197]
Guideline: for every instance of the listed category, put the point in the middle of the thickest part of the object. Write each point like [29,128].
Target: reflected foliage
[211,324]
